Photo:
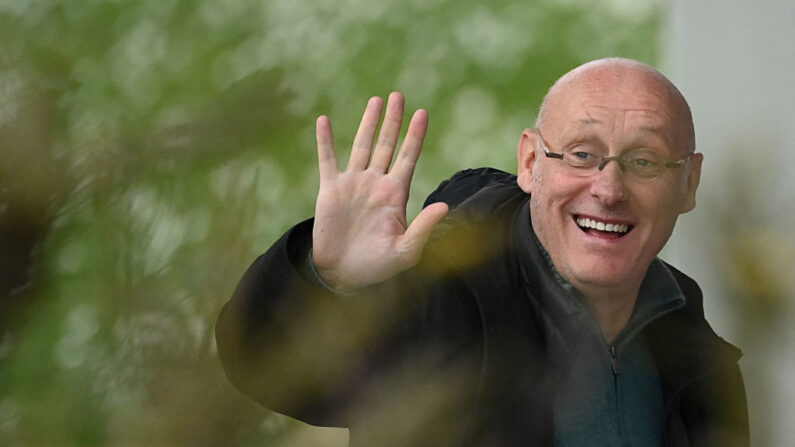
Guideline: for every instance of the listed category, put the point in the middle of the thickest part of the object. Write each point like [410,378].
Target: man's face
[615,111]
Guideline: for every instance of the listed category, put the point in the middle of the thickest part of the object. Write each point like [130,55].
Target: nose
[608,184]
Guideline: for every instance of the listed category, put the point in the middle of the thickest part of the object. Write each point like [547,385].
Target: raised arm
[360,235]
[294,346]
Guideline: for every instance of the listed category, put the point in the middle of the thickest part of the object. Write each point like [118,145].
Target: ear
[526,155]
[693,178]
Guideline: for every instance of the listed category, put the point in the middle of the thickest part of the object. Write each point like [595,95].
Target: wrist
[325,279]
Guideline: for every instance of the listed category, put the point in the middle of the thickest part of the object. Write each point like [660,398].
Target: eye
[643,158]
[582,156]
[643,162]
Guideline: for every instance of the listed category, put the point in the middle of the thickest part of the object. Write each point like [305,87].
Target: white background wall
[735,63]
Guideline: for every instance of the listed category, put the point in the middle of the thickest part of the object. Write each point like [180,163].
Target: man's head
[610,107]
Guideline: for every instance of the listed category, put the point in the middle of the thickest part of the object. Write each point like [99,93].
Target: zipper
[613,350]
[614,358]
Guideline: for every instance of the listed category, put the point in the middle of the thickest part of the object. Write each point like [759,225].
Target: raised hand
[360,236]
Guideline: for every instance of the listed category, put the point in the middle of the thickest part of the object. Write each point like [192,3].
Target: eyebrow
[581,129]
[582,124]
[588,121]
[659,130]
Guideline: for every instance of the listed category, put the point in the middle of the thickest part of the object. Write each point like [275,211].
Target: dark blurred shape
[243,114]
[33,185]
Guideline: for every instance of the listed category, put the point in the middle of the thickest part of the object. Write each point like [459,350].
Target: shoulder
[690,324]
[479,227]
[477,193]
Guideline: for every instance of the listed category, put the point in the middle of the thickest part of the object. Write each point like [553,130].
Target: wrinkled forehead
[634,116]
[633,101]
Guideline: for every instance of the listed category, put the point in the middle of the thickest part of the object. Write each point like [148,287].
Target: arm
[335,360]
[274,340]
[296,347]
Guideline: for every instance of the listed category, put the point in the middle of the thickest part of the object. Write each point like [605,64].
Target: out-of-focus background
[150,149]
[732,60]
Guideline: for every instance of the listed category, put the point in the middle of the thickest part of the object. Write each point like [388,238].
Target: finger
[388,137]
[412,145]
[326,160]
[363,142]
[417,233]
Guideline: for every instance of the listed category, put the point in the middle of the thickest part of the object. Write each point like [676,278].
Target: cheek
[537,212]
[556,189]
[543,196]
[540,219]
[663,210]
[537,175]
[547,210]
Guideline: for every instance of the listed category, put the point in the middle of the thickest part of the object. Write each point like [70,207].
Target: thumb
[417,233]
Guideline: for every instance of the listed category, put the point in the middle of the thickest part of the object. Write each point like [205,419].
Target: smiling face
[602,231]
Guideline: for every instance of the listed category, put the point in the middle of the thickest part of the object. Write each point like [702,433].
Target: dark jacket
[467,348]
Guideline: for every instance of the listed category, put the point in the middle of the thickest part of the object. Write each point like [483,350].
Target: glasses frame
[603,161]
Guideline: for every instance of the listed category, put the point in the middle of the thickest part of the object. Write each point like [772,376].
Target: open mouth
[602,228]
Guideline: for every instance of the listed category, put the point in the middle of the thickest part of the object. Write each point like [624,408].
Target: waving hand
[361,236]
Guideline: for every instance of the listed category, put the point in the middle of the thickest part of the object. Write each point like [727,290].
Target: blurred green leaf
[150,150]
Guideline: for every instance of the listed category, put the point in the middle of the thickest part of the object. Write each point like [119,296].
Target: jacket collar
[678,334]
[562,316]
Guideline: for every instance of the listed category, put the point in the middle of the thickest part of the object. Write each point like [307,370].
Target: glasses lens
[644,163]
[582,156]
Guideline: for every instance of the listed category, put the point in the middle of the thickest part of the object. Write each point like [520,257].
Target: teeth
[584,222]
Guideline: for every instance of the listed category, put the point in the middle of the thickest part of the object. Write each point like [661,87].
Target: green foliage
[150,150]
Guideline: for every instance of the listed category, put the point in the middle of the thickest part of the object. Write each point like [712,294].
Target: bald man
[526,309]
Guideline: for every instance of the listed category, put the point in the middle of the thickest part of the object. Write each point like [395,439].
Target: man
[535,313]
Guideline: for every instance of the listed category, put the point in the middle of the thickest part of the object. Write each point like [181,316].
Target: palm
[361,235]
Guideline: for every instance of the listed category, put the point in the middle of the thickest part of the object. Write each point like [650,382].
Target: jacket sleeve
[276,336]
[708,405]
[324,358]
[329,359]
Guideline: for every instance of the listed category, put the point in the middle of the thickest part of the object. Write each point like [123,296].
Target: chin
[610,276]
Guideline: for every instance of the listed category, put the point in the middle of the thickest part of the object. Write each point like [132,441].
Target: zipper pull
[614,358]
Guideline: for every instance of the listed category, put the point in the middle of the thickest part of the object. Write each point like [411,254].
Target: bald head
[620,74]
[608,109]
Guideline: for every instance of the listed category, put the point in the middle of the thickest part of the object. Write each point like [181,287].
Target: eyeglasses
[642,163]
